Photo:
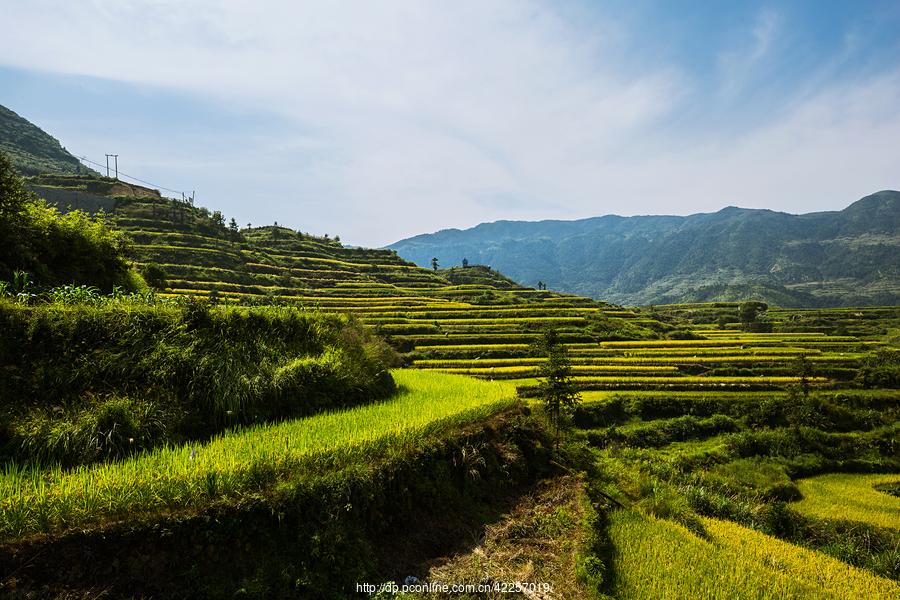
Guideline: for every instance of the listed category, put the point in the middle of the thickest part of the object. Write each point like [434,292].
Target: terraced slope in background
[409,305]
[862,321]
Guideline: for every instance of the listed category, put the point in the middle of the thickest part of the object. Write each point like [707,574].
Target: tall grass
[245,462]
[224,365]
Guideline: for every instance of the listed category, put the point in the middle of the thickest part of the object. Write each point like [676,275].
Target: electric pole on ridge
[116,162]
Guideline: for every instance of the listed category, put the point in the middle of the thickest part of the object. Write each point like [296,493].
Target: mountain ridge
[730,208]
[789,259]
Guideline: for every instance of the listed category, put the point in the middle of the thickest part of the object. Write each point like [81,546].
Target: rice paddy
[851,497]
[655,558]
[245,461]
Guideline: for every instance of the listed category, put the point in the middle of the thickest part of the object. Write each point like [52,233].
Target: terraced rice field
[244,462]
[456,307]
[477,317]
[725,359]
[654,558]
[851,497]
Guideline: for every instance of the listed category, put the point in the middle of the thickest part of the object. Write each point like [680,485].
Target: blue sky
[380,120]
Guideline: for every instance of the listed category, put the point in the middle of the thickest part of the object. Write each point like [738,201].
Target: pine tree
[558,392]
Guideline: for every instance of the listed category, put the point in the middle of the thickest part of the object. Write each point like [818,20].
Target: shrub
[54,248]
[683,334]
[98,429]
[662,432]
[209,367]
[155,276]
[880,369]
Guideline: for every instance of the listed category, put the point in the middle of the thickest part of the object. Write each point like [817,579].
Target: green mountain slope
[840,258]
[32,150]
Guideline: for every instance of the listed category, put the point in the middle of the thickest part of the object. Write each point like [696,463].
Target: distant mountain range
[34,151]
[837,258]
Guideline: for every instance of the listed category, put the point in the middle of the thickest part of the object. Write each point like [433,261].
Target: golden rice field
[450,348]
[699,380]
[655,558]
[717,351]
[850,497]
[647,360]
[248,460]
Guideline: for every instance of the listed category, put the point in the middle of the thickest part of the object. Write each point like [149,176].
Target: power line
[157,186]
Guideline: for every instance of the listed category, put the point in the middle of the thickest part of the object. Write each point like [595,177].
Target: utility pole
[116,159]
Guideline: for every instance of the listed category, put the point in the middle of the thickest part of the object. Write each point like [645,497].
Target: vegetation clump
[84,382]
[556,390]
[881,369]
[54,248]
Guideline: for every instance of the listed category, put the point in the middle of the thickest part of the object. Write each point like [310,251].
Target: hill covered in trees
[33,151]
[836,258]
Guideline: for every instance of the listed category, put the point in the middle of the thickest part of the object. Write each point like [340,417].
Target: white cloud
[764,33]
[740,66]
[820,154]
[412,116]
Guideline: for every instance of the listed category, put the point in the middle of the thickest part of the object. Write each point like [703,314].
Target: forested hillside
[32,150]
[840,258]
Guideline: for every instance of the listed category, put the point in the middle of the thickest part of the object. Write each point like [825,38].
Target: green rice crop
[654,558]
[246,461]
[576,369]
[700,360]
[501,321]
[844,496]
[449,348]
[700,379]
[463,363]
[670,343]
[831,576]
[465,311]
[735,351]
[471,362]
[441,337]
[589,397]
[682,360]
[663,381]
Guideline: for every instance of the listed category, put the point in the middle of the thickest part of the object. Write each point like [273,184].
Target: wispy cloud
[741,64]
[764,32]
[408,116]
